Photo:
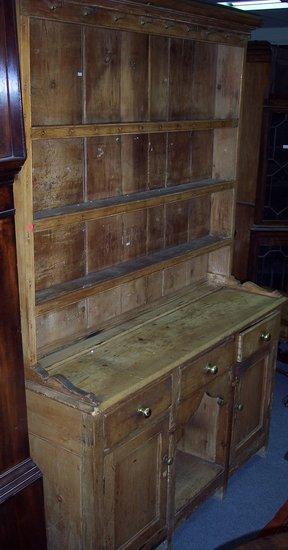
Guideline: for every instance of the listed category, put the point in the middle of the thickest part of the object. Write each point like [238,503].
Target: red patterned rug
[274,536]
[278,524]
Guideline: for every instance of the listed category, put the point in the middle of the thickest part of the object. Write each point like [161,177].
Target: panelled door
[135,488]
[251,406]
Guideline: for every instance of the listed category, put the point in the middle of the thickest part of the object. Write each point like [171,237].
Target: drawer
[198,373]
[138,412]
[256,337]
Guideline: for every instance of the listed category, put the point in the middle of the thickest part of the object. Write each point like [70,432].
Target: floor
[254,495]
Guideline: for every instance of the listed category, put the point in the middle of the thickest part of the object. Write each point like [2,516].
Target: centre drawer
[198,373]
[254,338]
[138,412]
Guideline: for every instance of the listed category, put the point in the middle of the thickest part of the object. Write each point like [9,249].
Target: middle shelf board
[61,295]
[92,210]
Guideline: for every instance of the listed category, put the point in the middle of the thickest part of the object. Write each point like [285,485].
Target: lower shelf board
[193,475]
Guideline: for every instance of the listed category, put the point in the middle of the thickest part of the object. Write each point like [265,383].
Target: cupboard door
[135,488]
[251,407]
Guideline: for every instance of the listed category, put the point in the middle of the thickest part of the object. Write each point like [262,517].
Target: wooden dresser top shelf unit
[127,195]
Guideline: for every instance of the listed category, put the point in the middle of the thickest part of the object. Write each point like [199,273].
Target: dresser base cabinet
[252,407]
[123,473]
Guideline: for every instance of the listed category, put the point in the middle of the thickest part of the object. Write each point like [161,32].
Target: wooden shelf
[63,294]
[92,130]
[193,475]
[59,217]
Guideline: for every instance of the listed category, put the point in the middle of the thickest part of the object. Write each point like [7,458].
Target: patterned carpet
[278,524]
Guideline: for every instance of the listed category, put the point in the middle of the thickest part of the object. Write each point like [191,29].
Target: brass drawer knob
[211,369]
[239,407]
[265,336]
[168,460]
[144,411]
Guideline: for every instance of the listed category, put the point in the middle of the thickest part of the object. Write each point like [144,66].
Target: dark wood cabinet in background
[261,241]
[22,525]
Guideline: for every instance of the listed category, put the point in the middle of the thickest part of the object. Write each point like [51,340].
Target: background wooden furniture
[140,349]
[262,214]
[21,496]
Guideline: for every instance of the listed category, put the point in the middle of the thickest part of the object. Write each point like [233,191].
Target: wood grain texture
[72,320]
[64,294]
[194,376]
[93,210]
[102,63]
[257,77]
[108,15]
[224,153]
[155,229]
[202,155]
[176,224]
[124,420]
[204,76]
[58,173]
[61,471]
[22,522]
[104,242]
[134,161]
[250,423]
[157,160]
[244,218]
[60,256]
[222,213]
[151,126]
[134,77]
[181,79]
[199,217]
[93,130]
[134,234]
[56,73]
[251,341]
[256,82]
[23,197]
[124,469]
[18,528]
[186,324]
[159,51]
[104,169]
[229,74]
[179,158]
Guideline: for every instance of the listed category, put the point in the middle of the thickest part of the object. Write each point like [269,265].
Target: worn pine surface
[127,361]
[193,474]
[120,112]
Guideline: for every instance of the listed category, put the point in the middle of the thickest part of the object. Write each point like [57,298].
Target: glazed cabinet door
[135,487]
[251,407]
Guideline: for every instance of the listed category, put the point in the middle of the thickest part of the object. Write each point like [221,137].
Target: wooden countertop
[152,345]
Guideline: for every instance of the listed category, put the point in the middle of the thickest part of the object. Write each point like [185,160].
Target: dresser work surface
[124,362]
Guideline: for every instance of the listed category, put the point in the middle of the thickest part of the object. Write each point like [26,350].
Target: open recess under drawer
[256,337]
